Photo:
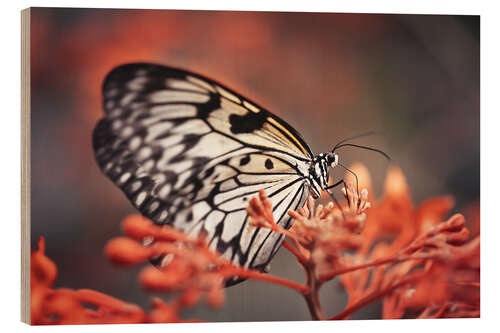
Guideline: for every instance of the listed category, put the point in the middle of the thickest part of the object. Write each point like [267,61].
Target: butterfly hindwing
[190,153]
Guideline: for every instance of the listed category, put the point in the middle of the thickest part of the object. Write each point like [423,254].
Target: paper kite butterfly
[190,152]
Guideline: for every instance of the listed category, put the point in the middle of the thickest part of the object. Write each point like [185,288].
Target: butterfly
[189,152]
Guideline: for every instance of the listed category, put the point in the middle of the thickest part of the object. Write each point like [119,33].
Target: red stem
[373,297]
[256,275]
[296,252]
[331,275]
[384,261]
[312,297]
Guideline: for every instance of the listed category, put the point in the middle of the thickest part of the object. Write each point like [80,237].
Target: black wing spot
[269,164]
[245,160]
[247,123]
[209,172]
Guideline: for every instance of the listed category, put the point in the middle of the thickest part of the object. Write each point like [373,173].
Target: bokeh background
[414,77]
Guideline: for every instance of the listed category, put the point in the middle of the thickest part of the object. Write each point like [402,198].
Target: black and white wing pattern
[190,153]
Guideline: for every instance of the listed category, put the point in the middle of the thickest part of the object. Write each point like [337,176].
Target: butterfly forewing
[190,153]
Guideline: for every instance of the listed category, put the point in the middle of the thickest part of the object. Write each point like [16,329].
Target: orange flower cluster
[318,234]
[187,264]
[425,270]
[65,306]
[318,237]
[417,265]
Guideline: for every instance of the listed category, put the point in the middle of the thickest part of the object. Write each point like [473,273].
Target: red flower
[426,256]
[66,306]
[187,266]
[426,267]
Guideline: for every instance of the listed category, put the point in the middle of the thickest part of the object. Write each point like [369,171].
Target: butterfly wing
[189,152]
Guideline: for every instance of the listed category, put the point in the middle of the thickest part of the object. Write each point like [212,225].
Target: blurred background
[331,76]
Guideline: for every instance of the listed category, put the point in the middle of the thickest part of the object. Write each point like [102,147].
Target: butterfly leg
[342,181]
[333,196]
[336,202]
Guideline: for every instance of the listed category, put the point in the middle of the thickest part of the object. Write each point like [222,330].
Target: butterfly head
[332,159]
[321,164]
[319,172]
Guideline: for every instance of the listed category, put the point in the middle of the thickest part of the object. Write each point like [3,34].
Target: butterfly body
[189,152]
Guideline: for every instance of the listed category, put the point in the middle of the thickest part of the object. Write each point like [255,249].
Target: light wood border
[25,164]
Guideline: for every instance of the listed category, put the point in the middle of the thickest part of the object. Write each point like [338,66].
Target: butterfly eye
[334,160]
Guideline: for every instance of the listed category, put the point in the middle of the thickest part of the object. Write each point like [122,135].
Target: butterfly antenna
[357,137]
[364,147]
